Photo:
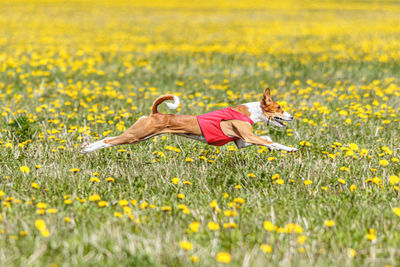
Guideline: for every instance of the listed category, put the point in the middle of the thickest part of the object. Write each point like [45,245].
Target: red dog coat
[211,128]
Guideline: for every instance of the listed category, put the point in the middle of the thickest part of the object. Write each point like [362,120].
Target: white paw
[276,146]
[94,146]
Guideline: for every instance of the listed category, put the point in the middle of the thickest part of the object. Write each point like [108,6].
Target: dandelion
[266,248]
[194,258]
[251,175]
[181,196]
[353,188]
[304,143]
[275,176]
[224,257]
[74,170]
[371,235]
[102,203]
[301,239]
[123,202]
[189,160]
[307,182]
[393,179]
[213,226]
[194,227]
[166,208]
[280,181]
[185,245]
[341,181]
[239,200]
[383,162]
[110,180]
[25,169]
[95,180]
[268,226]
[35,185]
[329,223]
[396,211]
[94,197]
[175,180]
[352,253]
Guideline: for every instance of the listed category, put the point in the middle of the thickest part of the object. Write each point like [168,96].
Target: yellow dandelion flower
[95,180]
[102,203]
[40,224]
[307,182]
[194,226]
[175,180]
[185,245]
[353,188]
[74,170]
[35,185]
[266,248]
[123,202]
[383,162]
[52,211]
[224,257]
[252,175]
[268,226]
[25,169]
[280,181]
[166,208]
[352,253]
[41,205]
[341,181]
[189,160]
[194,258]
[94,197]
[275,176]
[239,200]
[396,211]
[181,196]
[301,239]
[110,180]
[393,179]
[213,226]
[329,223]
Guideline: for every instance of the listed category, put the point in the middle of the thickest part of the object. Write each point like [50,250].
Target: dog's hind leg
[143,129]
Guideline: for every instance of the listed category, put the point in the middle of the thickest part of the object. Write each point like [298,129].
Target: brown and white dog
[237,130]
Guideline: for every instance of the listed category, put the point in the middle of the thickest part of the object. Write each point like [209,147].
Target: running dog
[214,128]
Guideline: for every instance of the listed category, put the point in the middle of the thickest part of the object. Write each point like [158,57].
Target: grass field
[77,71]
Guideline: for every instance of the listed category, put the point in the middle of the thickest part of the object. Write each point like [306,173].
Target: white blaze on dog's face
[273,112]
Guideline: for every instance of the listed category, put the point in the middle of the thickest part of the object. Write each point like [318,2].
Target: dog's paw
[276,146]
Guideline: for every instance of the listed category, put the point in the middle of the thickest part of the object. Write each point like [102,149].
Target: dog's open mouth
[282,122]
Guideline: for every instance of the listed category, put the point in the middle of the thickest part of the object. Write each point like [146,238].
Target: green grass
[95,236]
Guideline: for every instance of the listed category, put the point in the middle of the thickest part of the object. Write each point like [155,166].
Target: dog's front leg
[243,130]
[240,143]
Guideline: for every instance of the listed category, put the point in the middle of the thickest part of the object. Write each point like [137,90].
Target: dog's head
[273,112]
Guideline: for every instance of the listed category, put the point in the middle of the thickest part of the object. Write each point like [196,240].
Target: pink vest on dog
[211,128]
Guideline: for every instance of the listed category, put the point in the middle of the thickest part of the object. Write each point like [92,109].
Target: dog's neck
[255,111]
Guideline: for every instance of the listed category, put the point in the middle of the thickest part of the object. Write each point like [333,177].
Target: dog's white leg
[96,146]
[240,143]
[281,147]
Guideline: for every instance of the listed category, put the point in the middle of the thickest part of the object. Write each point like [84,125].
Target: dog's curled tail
[162,99]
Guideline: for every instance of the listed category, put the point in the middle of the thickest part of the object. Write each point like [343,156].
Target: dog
[214,128]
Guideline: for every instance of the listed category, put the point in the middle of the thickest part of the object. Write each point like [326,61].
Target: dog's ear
[267,97]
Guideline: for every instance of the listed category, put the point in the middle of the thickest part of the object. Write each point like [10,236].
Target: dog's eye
[279,108]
